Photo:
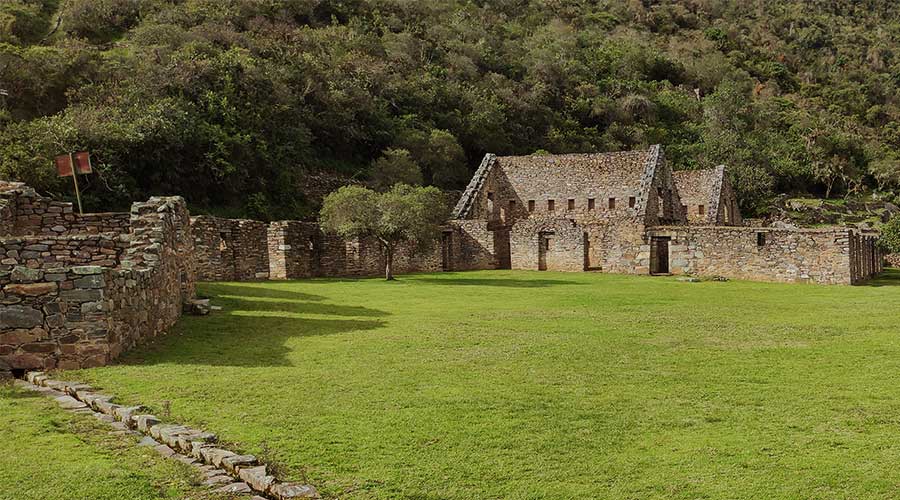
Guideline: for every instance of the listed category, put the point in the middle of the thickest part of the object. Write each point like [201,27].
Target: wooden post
[75,180]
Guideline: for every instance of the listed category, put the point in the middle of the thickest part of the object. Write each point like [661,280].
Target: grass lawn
[49,454]
[543,385]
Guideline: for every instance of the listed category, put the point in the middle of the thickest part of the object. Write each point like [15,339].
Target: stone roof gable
[620,174]
[700,186]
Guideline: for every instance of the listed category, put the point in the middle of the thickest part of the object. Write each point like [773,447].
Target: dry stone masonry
[243,250]
[628,212]
[224,470]
[77,291]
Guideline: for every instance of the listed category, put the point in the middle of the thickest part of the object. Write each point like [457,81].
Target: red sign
[83,162]
[64,165]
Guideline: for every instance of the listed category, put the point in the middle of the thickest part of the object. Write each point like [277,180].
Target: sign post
[72,165]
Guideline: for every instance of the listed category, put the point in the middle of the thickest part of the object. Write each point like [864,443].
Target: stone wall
[238,249]
[75,316]
[825,256]
[24,212]
[230,249]
[292,249]
[468,245]
[45,252]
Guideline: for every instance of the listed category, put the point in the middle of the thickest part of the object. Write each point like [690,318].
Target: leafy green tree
[404,215]
[393,167]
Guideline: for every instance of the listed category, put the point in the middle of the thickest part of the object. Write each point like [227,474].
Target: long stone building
[628,212]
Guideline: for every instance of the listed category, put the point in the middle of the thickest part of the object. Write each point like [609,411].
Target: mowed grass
[529,385]
[49,454]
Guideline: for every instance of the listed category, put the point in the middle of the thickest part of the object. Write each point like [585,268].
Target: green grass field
[542,385]
[49,454]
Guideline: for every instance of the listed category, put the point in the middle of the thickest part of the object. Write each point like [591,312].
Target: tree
[404,215]
[890,236]
[395,166]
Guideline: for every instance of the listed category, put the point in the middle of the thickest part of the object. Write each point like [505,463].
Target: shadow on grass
[890,277]
[498,282]
[258,327]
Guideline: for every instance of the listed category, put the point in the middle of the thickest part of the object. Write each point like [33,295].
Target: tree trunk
[389,263]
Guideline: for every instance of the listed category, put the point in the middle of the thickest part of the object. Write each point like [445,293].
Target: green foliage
[890,236]
[392,167]
[404,214]
[217,99]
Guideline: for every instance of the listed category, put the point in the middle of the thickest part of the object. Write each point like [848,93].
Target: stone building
[628,212]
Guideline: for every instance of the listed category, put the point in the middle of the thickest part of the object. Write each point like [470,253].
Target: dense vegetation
[233,102]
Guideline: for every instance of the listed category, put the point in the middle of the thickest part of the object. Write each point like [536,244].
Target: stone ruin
[628,212]
[244,250]
[78,290]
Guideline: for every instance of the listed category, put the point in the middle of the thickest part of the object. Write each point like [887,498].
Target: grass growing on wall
[543,385]
[49,454]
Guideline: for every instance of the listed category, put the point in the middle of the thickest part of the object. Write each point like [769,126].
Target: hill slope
[232,102]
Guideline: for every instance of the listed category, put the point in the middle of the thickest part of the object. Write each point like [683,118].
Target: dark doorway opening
[545,243]
[659,255]
[447,250]
[502,248]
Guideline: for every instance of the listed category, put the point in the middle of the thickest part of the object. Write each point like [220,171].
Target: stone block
[20,317]
[31,289]
[233,462]
[257,478]
[22,274]
[287,491]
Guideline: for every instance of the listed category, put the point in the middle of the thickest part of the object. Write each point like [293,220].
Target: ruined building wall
[785,255]
[230,249]
[243,250]
[33,214]
[54,314]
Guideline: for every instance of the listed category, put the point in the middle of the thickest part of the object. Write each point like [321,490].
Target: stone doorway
[447,251]
[659,255]
[502,248]
[545,243]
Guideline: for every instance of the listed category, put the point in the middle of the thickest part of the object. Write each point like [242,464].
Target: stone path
[224,471]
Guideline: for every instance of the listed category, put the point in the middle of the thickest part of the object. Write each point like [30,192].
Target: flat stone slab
[164,450]
[148,441]
[69,403]
[218,480]
[234,488]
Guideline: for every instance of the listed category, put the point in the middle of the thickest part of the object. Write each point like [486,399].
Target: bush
[890,236]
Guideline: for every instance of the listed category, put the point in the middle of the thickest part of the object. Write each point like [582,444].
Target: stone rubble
[225,471]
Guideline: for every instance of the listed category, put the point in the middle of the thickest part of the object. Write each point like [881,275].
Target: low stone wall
[785,255]
[82,316]
[24,212]
[892,259]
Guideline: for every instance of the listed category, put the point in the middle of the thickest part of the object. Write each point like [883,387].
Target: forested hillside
[233,103]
